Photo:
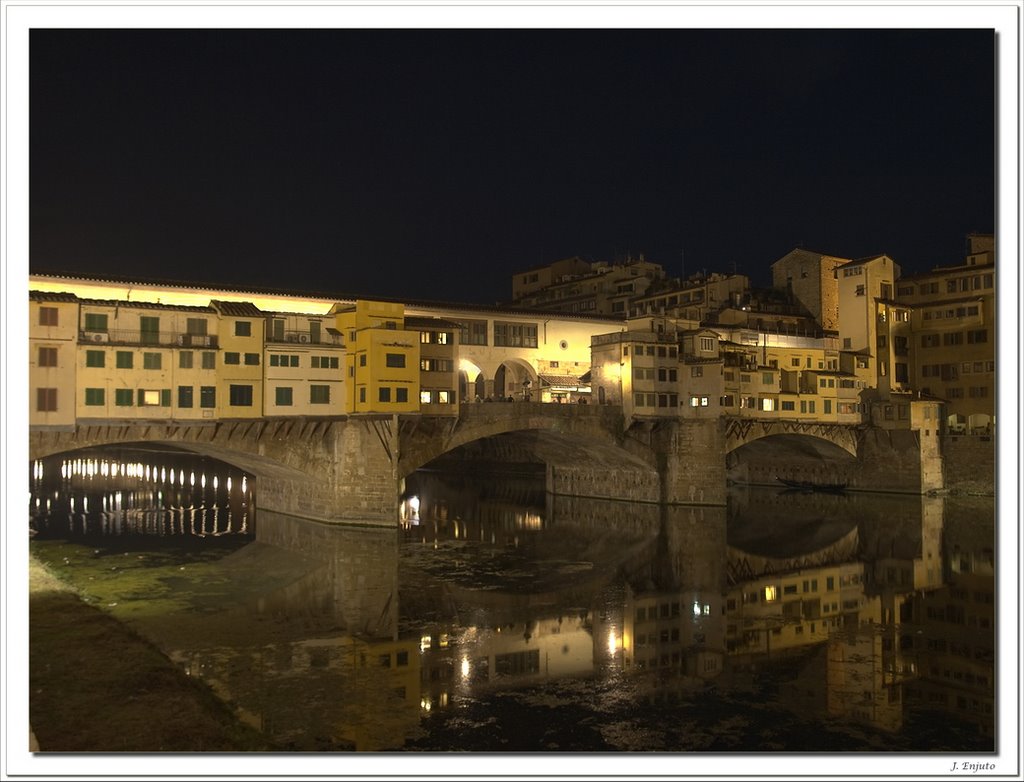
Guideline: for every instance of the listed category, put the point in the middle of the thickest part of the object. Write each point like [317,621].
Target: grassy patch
[97,686]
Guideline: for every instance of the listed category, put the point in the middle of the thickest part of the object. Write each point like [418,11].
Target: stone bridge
[350,469]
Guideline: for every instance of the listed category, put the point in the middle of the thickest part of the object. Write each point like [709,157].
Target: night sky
[433,164]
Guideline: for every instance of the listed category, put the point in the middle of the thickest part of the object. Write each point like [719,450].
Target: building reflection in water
[863,610]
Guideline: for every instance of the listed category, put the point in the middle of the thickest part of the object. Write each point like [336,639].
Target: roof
[329,296]
[47,296]
[562,381]
[865,259]
[144,305]
[243,309]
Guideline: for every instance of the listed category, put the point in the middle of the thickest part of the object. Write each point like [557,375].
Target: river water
[499,618]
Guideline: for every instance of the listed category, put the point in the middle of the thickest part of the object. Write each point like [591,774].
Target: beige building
[303,365]
[693,299]
[53,359]
[575,285]
[953,335]
[240,373]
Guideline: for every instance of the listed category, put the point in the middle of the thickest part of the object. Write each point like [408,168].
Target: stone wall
[969,463]
[593,480]
[691,457]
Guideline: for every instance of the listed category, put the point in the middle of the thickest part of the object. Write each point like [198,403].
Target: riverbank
[97,686]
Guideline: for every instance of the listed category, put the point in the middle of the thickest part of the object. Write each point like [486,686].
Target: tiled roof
[242,309]
[47,296]
[418,323]
[143,305]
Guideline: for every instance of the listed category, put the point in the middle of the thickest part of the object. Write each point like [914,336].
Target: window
[95,358]
[184,396]
[394,359]
[207,396]
[859,290]
[240,395]
[707,344]
[768,404]
[319,395]
[196,326]
[767,378]
[283,396]
[95,321]
[474,332]
[788,405]
[953,338]
[516,335]
[696,371]
[324,362]
[123,397]
[847,343]
[48,316]
[444,397]
[151,360]
[209,359]
[252,359]
[383,394]
[150,330]
[94,396]
[425,397]
[47,357]
[154,397]
[185,359]
[362,394]
[232,358]
[401,394]
[243,328]
[977,337]
[362,359]
[46,400]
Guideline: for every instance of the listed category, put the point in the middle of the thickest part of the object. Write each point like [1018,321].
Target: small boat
[831,488]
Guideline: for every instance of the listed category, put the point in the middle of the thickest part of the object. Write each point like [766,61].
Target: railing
[155,338]
[303,338]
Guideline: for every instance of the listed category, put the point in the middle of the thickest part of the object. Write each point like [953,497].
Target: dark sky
[433,164]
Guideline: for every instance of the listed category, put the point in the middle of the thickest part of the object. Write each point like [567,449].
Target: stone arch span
[740,432]
[330,470]
[572,428]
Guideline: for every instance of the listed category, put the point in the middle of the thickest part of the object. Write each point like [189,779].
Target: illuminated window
[154,398]
[444,397]
[425,397]
[771,594]
[767,404]
[694,401]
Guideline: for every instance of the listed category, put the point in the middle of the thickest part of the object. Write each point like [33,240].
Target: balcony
[303,337]
[170,339]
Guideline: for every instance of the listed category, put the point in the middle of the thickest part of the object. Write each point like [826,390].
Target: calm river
[500,618]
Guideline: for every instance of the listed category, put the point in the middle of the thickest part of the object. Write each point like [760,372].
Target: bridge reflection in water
[785,621]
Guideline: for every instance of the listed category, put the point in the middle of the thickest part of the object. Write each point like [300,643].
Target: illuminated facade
[953,335]
[575,285]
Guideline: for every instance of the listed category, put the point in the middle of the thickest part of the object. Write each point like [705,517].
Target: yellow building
[382,359]
[137,360]
[240,374]
[52,362]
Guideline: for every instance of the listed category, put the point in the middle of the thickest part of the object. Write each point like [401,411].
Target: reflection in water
[129,491]
[783,622]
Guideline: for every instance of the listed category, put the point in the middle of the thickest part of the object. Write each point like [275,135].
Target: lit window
[771,594]
[425,397]
[444,397]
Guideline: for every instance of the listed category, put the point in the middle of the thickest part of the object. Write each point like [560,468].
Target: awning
[563,382]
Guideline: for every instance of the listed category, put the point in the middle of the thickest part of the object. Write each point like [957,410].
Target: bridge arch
[743,431]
